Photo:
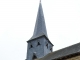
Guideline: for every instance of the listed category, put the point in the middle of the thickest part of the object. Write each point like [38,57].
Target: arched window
[31,46]
[34,57]
[38,44]
[47,45]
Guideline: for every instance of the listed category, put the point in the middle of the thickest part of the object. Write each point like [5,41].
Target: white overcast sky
[17,21]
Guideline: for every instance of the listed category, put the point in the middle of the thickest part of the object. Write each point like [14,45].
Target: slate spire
[40,27]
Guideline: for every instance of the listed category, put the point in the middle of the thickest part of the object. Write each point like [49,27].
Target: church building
[40,47]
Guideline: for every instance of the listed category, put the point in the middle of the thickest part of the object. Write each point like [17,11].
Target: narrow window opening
[31,46]
[38,44]
[47,45]
[51,49]
[34,57]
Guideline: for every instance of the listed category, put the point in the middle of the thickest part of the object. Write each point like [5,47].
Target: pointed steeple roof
[40,27]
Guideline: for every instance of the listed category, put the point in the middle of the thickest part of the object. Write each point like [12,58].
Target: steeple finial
[40,1]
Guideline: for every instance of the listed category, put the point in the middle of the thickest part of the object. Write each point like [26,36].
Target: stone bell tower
[39,45]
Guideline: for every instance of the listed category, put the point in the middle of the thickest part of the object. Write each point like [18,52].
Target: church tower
[39,45]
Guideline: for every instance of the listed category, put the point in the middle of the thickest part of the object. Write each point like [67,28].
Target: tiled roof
[62,52]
